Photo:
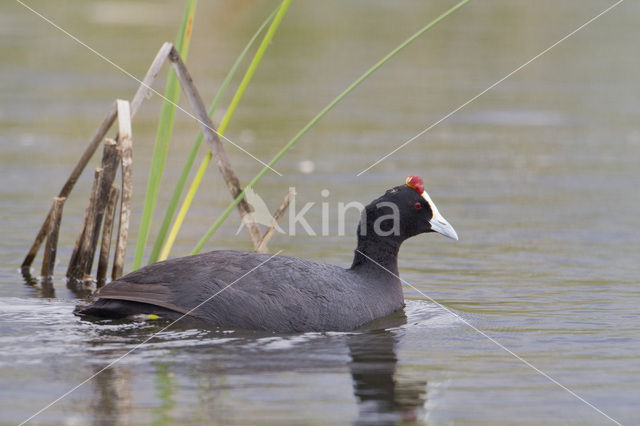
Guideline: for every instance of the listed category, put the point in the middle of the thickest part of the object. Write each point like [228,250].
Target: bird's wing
[158,294]
[179,284]
[239,289]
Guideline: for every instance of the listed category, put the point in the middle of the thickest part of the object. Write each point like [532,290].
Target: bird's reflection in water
[112,401]
[382,397]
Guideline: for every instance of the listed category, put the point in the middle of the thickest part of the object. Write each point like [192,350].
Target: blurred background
[539,176]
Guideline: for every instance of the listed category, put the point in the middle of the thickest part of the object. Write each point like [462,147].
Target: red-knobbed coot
[284,294]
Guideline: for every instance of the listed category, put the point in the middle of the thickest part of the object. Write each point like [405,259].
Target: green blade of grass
[163,134]
[182,180]
[282,10]
[317,118]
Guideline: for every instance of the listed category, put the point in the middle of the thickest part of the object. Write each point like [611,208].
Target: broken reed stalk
[110,160]
[150,76]
[188,165]
[77,247]
[84,249]
[73,260]
[107,230]
[101,131]
[109,166]
[90,230]
[262,247]
[71,181]
[216,147]
[51,245]
[126,153]
[195,183]
[77,265]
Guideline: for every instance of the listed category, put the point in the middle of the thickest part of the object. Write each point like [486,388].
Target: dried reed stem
[110,161]
[152,73]
[101,131]
[107,230]
[51,246]
[71,181]
[262,247]
[77,265]
[126,153]
[216,147]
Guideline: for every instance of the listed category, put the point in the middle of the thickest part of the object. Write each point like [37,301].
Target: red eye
[417,206]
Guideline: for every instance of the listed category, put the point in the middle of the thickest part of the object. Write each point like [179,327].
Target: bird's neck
[379,255]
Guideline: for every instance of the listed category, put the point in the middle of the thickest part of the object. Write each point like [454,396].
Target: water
[538,176]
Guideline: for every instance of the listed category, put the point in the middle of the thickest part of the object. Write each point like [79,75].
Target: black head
[403,212]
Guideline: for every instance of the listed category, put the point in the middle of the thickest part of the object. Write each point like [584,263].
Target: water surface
[539,177]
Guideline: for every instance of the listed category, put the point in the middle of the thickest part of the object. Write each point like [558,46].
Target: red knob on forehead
[416,183]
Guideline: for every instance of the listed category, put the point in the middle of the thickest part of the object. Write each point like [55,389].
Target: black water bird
[242,290]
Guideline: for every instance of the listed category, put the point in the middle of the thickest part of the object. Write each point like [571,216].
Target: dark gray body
[279,293]
[285,294]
